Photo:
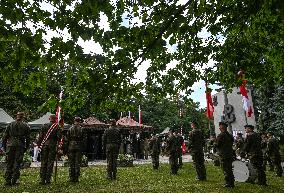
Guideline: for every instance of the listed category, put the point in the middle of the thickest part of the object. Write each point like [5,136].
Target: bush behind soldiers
[16,141]
[111,144]
[75,143]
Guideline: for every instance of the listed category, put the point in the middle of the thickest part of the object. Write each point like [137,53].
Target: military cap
[77,119]
[21,114]
[239,134]
[112,122]
[223,123]
[249,126]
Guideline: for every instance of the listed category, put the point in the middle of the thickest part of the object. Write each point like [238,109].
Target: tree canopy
[228,34]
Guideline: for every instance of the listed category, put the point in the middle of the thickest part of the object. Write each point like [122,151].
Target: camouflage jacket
[196,141]
[154,146]
[17,133]
[53,137]
[224,145]
[273,147]
[253,144]
[75,138]
[111,136]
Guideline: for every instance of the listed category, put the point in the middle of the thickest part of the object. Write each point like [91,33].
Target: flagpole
[58,118]
[56,158]
[139,114]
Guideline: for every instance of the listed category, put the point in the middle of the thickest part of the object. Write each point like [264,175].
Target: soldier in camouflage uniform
[196,142]
[75,141]
[180,139]
[155,149]
[172,150]
[266,158]
[274,154]
[224,145]
[16,141]
[111,144]
[48,149]
[253,149]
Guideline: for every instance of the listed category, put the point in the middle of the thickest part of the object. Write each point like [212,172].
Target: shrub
[125,157]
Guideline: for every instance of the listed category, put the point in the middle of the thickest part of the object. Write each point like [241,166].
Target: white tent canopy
[4,117]
[42,120]
[166,130]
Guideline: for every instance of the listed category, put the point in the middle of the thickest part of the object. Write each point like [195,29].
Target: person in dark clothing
[16,141]
[274,154]
[196,143]
[47,143]
[74,141]
[224,145]
[111,144]
[266,158]
[253,149]
[155,149]
[180,139]
[172,150]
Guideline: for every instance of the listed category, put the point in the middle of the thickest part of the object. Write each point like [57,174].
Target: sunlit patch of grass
[140,178]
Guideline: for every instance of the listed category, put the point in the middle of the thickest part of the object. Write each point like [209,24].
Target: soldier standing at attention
[266,158]
[196,142]
[253,149]
[155,149]
[47,142]
[172,150]
[146,148]
[16,141]
[111,144]
[74,141]
[274,154]
[224,145]
[180,139]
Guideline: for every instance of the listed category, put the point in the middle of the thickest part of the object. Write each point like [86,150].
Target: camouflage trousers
[180,158]
[276,160]
[111,156]
[198,161]
[226,165]
[14,160]
[257,162]
[74,159]
[48,154]
[155,161]
[173,159]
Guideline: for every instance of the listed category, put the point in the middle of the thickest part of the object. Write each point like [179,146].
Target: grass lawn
[140,178]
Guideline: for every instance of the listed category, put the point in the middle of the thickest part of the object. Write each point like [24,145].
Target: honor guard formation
[241,158]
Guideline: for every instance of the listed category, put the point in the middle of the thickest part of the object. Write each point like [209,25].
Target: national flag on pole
[210,107]
[246,103]
[183,147]
[140,116]
[59,117]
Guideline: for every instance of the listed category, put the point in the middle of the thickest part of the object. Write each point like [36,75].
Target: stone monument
[228,107]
